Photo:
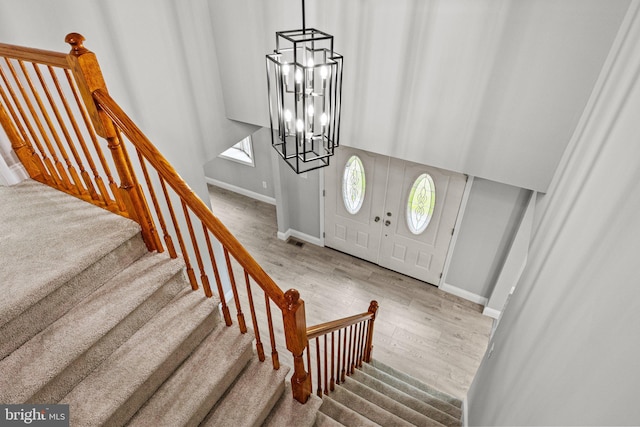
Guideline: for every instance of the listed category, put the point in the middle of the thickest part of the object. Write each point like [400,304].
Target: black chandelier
[304,82]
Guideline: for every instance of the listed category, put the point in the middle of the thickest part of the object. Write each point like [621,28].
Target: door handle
[376,219]
[387,222]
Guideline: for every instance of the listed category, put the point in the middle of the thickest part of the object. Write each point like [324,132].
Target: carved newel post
[373,309]
[295,330]
[88,77]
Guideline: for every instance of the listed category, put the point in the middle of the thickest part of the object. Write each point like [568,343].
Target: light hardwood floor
[429,334]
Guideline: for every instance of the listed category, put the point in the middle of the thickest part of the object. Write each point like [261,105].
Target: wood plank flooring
[429,334]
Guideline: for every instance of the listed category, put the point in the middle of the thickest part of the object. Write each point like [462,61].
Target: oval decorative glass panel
[420,203]
[353,185]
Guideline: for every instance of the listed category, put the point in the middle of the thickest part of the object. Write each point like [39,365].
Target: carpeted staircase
[89,318]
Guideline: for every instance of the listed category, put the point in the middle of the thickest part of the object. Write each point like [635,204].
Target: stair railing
[55,106]
[341,346]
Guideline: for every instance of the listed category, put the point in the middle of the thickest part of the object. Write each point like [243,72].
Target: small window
[353,185]
[420,203]
[242,152]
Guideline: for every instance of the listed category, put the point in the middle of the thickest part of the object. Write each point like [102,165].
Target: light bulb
[310,110]
[287,115]
[300,125]
[310,63]
[285,68]
[324,72]
[298,76]
[324,119]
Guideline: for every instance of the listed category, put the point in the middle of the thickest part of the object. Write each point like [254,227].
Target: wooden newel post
[373,309]
[88,77]
[295,331]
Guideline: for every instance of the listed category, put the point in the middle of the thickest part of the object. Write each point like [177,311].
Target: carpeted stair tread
[56,256]
[115,390]
[448,419]
[387,403]
[188,395]
[342,414]
[367,409]
[250,398]
[49,365]
[289,412]
[416,383]
[323,420]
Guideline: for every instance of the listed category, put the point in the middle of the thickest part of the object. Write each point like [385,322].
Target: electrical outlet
[264,184]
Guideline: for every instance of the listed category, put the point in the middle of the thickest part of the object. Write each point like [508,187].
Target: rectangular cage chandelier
[304,82]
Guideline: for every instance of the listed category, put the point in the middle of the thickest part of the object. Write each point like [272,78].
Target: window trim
[240,152]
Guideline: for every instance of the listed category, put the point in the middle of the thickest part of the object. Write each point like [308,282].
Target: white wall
[566,349]
[489,88]
[159,61]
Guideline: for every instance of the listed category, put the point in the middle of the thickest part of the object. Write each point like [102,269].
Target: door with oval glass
[402,212]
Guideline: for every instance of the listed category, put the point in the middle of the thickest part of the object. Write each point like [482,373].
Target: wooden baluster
[71,118]
[360,341]
[216,274]
[19,143]
[274,353]
[373,309]
[59,175]
[344,357]
[51,174]
[241,323]
[74,184]
[163,226]
[351,344]
[176,227]
[295,331]
[326,369]
[196,248]
[338,357]
[252,310]
[116,202]
[332,381]
[88,77]
[318,361]
[309,365]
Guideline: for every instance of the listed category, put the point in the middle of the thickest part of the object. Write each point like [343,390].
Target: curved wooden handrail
[199,208]
[46,57]
[328,327]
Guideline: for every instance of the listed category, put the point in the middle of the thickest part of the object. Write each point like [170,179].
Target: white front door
[370,216]
[358,233]
[405,247]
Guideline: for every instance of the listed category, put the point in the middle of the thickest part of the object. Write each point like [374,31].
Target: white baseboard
[491,312]
[240,190]
[300,236]
[463,294]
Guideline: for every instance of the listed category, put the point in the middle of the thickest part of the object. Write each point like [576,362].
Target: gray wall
[244,176]
[566,349]
[490,220]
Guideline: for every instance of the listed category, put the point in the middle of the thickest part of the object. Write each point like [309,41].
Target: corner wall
[565,351]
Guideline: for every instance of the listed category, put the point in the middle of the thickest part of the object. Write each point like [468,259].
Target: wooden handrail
[328,327]
[46,57]
[202,211]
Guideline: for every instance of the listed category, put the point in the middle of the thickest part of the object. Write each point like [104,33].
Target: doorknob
[387,222]
[376,219]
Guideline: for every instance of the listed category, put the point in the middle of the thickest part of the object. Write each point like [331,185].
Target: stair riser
[146,390]
[60,386]
[36,318]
